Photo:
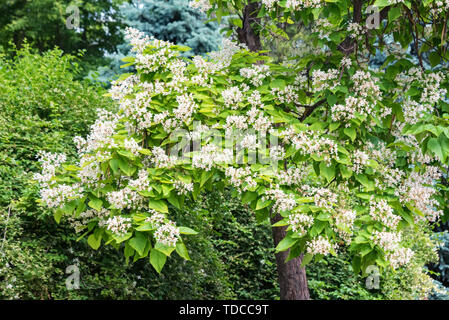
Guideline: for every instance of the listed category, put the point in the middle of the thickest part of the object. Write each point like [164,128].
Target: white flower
[319,245]
[167,234]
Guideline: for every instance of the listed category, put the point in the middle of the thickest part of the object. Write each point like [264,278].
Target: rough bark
[292,278]
[246,34]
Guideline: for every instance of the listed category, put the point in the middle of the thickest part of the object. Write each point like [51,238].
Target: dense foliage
[92,26]
[339,129]
[349,171]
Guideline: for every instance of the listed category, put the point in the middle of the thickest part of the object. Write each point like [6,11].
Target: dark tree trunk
[246,34]
[292,278]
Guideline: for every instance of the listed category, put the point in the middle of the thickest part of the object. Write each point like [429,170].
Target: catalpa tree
[339,156]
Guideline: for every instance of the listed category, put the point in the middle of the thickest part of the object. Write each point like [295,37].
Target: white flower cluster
[365,85]
[161,159]
[269,4]
[117,224]
[282,201]
[430,82]
[300,222]
[414,111]
[138,40]
[101,133]
[201,5]
[389,242]
[142,183]
[382,212]
[125,199]
[323,27]
[319,245]
[346,62]
[219,60]
[286,95]
[232,97]
[211,155]
[241,178]
[344,220]
[322,80]
[156,219]
[309,142]
[293,176]
[277,153]
[323,197]
[390,177]
[256,74]
[400,257]
[90,172]
[417,190]
[183,188]
[359,161]
[440,7]
[158,59]
[56,196]
[137,109]
[167,234]
[186,107]
[132,146]
[237,124]
[85,217]
[303,4]
[249,141]
[356,29]
[49,162]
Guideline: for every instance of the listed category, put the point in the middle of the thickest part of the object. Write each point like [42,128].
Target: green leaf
[182,250]
[350,132]
[158,205]
[57,215]
[345,171]
[262,204]
[114,164]
[331,100]
[94,240]
[173,200]
[277,83]
[69,207]
[121,238]
[286,243]
[164,248]
[129,251]
[381,3]
[96,204]
[138,242]
[306,259]
[363,179]
[237,22]
[356,264]
[394,13]
[434,58]
[124,166]
[248,196]
[434,145]
[157,260]
[186,230]
[205,175]
[281,223]
[327,172]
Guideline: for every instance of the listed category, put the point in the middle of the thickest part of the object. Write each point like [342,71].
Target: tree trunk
[292,278]
[246,34]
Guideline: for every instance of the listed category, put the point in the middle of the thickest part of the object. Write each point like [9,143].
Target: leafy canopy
[349,156]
